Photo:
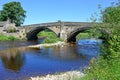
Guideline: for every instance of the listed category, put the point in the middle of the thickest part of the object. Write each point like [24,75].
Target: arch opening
[71,37]
[33,34]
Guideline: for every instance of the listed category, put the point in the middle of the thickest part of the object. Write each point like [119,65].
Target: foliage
[13,11]
[107,67]
[91,33]
[113,44]
[102,70]
[50,36]
[5,38]
[111,14]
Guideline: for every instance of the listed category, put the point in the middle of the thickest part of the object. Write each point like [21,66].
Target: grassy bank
[50,37]
[7,38]
[83,35]
[102,70]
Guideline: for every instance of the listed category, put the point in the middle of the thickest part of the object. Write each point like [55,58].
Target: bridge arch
[32,34]
[71,37]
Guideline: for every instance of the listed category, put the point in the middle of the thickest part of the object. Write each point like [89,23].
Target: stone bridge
[64,30]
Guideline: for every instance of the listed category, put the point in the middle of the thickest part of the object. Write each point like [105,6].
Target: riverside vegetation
[6,38]
[107,66]
[50,37]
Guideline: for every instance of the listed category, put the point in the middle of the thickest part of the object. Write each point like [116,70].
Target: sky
[43,11]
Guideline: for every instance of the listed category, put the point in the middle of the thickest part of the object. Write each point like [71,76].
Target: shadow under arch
[71,37]
[32,34]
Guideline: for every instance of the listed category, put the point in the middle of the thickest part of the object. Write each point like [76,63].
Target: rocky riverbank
[71,75]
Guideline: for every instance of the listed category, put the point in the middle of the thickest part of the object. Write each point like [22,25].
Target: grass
[103,71]
[51,37]
[7,38]
[83,35]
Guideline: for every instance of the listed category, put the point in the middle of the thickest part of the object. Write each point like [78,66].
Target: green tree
[111,14]
[13,11]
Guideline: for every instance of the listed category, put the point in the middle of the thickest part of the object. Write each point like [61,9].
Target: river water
[18,62]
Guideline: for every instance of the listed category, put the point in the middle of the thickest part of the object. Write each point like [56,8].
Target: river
[20,62]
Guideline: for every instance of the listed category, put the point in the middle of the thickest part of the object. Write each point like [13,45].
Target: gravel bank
[47,45]
[71,75]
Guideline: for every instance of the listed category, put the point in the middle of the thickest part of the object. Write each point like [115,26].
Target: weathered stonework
[65,30]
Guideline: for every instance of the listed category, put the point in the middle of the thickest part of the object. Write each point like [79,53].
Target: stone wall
[13,34]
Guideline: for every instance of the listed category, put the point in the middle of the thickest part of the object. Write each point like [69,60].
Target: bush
[107,67]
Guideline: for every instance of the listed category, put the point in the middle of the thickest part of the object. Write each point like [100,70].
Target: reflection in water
[12,59]
[63,53]
[13,44]
[29,62]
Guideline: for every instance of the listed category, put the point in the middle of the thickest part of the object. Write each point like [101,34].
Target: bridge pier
[63,35]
